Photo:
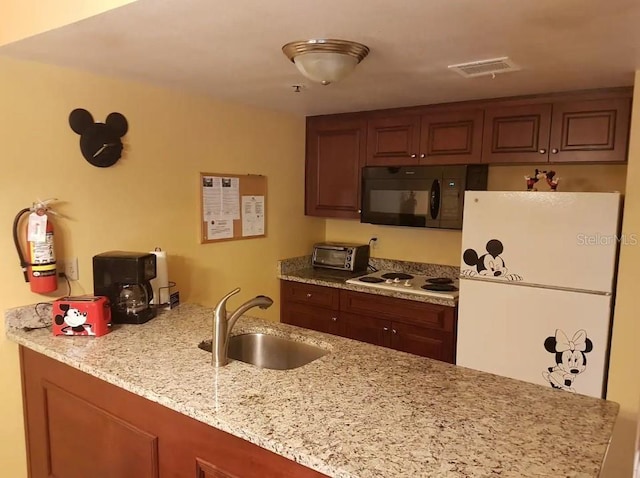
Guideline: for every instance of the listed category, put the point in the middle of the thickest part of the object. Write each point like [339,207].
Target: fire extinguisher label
[37,227]
[42,252]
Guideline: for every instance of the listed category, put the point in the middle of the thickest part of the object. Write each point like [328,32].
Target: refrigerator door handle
[535,286]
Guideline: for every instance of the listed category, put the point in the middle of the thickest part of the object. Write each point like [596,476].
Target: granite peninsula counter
[360,411]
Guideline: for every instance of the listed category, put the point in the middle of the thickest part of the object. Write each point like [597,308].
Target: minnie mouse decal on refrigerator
[570,358]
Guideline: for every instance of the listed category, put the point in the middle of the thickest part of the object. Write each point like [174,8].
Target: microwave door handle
[434,199]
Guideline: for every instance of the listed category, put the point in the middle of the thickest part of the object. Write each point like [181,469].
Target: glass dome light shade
[325,60]
[325,67]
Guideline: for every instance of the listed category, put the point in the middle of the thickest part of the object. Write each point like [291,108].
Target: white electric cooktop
[425,285]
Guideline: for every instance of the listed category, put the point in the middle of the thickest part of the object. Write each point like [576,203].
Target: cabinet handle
[394,331]
[386,329]
[413,155]
[335,319]
[359,211]
[542,151]
[554,150]
[423,155]
[309,295]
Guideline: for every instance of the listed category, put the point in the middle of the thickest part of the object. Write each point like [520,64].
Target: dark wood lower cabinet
[417,340]
[410,326]
[78,426]
[367,329]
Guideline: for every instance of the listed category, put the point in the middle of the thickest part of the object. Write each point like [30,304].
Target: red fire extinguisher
[39,263]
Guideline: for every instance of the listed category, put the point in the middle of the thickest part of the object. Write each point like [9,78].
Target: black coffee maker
[124,277]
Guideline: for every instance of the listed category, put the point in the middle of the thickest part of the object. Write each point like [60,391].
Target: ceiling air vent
[485,67]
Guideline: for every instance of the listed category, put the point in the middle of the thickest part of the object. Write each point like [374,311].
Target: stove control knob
[388,281]
[407,283]
[396,280]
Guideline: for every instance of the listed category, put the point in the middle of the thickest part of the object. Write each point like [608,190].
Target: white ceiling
[231,50]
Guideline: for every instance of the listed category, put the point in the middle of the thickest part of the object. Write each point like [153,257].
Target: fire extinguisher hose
[16,241]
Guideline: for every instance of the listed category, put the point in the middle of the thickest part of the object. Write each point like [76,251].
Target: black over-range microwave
[419,196]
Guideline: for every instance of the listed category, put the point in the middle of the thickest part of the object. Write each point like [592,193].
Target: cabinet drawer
[406,311]
[312,317]
[310,294]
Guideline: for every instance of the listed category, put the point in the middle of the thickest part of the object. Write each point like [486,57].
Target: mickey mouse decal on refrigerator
[100,143]
[490,264]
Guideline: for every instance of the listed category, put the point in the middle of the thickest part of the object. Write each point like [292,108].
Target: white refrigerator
[536,286]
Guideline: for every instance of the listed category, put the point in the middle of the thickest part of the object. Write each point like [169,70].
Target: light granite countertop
[360,411]
[298,269]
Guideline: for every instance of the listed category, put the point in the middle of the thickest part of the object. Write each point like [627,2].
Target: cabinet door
[516,134]
[594,131]
[393,141]
[451,138]
[310,317]
[81,427]
[336,151]
[422,341]
[367,329]
[70,437]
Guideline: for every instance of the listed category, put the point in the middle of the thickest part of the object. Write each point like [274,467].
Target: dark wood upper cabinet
[451,137]
[574,127]
[563,131]
[393,141]
[517,134]
[336,149]
[590,131]
[443,137]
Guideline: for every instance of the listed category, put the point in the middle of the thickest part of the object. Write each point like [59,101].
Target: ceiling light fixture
[325,61]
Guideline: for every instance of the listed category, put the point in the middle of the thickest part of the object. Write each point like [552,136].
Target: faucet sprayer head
[265,302]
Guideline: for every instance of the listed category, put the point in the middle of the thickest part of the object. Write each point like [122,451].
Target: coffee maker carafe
[124,277]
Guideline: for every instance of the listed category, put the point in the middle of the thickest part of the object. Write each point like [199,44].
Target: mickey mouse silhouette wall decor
[100,143]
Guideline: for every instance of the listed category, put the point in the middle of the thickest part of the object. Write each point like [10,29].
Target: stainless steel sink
[270,351]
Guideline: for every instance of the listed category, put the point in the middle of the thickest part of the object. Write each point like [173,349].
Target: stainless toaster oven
[341,256]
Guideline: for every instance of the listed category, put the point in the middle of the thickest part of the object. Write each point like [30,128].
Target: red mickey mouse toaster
[82,315]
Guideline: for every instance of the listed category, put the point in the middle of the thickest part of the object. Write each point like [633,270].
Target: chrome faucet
[222,326]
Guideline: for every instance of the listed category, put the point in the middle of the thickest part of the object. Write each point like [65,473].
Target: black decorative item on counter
[100,143]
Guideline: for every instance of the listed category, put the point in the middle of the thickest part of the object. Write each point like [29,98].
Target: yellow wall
[24,18]
[149,198]
[443,246]
[624,378]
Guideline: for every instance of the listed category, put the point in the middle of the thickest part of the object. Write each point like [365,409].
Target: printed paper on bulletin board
[232,206]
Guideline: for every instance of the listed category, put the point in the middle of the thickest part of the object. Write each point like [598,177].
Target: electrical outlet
[71,268]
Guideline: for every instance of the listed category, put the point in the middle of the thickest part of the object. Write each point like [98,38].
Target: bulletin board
[232,207]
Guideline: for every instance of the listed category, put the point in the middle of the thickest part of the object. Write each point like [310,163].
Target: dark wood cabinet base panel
[78,426]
